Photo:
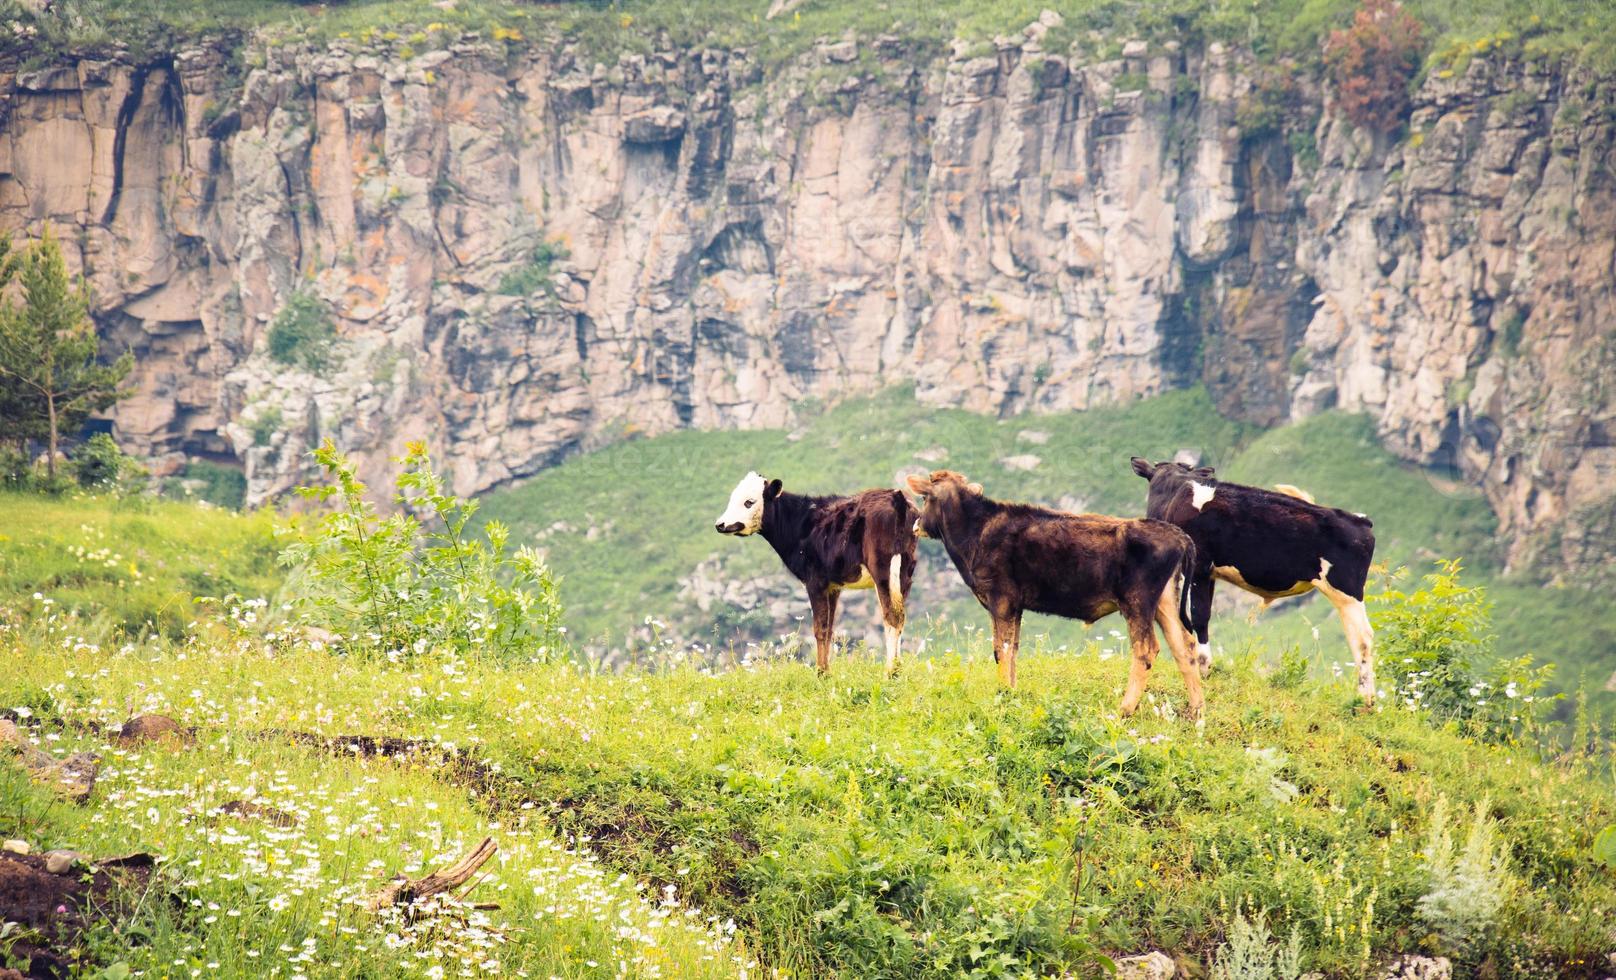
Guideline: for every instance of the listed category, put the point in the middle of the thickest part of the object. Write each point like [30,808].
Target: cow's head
[744,515]
[941,493]
[1168,469]
[1168,478]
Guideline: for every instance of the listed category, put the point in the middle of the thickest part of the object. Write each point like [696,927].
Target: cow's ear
[919,485]
[975,488]
[1143,468]
[1205,472]
[771,489]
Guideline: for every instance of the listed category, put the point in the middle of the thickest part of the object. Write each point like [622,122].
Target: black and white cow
[862,541]
[1272,544]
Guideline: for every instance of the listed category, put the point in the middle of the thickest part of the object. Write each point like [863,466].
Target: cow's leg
[1179,643]
[1142,634]
[1201,589]
[1360,635]
[823,602]
[889,592]
[1006,643]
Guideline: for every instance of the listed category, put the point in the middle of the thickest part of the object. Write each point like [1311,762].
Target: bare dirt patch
[54,911]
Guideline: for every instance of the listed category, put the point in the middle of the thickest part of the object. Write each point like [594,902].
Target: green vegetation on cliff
[1277,29]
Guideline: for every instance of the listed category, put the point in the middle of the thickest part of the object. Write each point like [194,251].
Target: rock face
[525,253]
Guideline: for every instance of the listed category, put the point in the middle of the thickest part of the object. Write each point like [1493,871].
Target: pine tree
[48,350]
[21,409]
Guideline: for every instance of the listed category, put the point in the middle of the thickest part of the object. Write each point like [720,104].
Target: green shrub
[1509,339]
[264,425]
[1131,81]
[100,465]
[16,469]
[1434,644]
[302,333]
[395,587]
[222,486]
[534,275]
[1262,110]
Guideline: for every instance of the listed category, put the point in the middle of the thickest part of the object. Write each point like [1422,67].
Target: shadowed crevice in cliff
[170,116]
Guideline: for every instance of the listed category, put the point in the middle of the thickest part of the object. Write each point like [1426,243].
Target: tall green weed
[1436,645]
[401,585]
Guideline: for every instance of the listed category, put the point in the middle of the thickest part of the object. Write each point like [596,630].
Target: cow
[862,541]
[1017,558]
[1272,543]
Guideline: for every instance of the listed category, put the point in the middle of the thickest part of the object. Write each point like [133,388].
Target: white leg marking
[894,646]
[1203,655]
[1200,493]
[895,584]
[1360,634]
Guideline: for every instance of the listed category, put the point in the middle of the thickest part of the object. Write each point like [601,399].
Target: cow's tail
[1186,575]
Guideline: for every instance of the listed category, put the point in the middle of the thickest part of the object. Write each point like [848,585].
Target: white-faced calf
[1272,544]
[1017,558]
[862,541]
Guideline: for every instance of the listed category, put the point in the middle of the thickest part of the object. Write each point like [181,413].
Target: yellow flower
[624,20]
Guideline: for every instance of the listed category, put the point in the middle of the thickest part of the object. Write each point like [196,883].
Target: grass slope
[136,565]
[930,825]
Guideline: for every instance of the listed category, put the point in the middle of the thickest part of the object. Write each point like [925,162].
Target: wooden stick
[402,890]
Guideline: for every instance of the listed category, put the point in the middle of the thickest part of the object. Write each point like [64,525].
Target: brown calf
[863,541]
[1017,557]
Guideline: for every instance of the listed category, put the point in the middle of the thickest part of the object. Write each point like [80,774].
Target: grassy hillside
[860,827]
[134,565]
[1275,29]
[627,525]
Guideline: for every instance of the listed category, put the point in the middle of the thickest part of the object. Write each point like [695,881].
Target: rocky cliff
[526,252]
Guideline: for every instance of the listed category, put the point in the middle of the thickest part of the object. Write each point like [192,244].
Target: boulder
[73,776]
[1420,968]
[151,728]
[1154,965]
[657,124]
[61,862]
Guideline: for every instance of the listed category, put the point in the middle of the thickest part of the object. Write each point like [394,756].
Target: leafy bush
[1436,645]
[1605,847]
[396,587]
[534,275]
[302,333]
[222,486]
[100,465]
[1251,953]
[265,424]
[1262,110]
[1373,62]
[1468,885]
[16,469]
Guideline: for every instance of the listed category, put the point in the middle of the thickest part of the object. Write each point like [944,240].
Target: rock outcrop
[526,253]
